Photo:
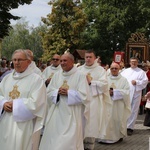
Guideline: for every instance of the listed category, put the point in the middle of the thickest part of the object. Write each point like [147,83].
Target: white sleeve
[116,95]
[73,98]
[55,97]
[21,112]
[94,89]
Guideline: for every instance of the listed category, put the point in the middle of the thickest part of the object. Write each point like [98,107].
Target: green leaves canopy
[111,23]
[6,16]
[65,24]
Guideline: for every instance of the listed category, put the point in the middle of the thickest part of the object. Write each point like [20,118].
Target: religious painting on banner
[118,57]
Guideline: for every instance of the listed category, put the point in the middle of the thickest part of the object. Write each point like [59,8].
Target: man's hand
[147,96]
[47,81]
[8,106]
[63,91]
[133,82]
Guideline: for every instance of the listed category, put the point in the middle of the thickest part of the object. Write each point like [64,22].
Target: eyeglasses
[113,68]
[18,60]
[55,59]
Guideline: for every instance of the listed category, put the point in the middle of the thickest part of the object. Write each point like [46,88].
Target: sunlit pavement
[138,141]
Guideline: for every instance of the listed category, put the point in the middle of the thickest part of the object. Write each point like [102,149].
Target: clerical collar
[114,76]
[55,68]
[92,66]
[27,72]
[73,70]
[17,74]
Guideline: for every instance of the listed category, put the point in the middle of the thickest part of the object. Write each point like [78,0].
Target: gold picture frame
[141,51]
[137,46]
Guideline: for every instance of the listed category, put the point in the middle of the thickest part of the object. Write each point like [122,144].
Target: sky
[33,12]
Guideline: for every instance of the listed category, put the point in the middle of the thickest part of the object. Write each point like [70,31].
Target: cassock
[141,79]
[65,120]
[49,72]
[100,103]
[121,109]
[19,128]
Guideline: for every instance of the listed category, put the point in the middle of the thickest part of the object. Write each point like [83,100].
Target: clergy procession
[69,107]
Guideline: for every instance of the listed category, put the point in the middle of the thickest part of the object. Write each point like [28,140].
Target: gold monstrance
[113,86]
[65,85]
[51,75]
[14,94]
[89,76]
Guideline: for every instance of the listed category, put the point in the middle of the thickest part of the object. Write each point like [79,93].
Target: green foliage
[21,36]
[111,23]
[5,15]
[65,24]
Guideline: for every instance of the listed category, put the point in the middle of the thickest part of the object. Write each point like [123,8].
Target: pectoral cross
[65,85]
[14,94]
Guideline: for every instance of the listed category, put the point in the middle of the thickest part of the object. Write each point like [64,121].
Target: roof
[81,53]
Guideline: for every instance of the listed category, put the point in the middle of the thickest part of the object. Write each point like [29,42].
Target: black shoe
[140,113]
[120,140]
[103,143]
[129,132]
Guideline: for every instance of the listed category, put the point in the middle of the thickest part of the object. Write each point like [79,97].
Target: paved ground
[138,141]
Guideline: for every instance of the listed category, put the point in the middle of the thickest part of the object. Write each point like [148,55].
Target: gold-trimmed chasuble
[14,94]
[65,85]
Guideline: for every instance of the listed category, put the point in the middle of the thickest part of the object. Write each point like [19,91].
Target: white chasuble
[65,120]
[100,104]
[49,72]
[19,128]
[121,110]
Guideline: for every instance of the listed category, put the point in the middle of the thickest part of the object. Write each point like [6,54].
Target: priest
[116,128]
[68,90]
[100,103]
[48,73]
[22,105]
[138,80]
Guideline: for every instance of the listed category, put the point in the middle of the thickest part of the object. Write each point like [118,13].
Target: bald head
[70,56]
[115,65]
[114,68]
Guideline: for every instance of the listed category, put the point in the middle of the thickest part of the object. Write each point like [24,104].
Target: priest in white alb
[32,64]
[100,103]
[116,128]
[138,80]
[22,106]
[68,90]
[49,71]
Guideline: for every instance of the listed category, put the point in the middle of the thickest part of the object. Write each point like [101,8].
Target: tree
[5,15]
[111,23]
[24,37]
[65,24]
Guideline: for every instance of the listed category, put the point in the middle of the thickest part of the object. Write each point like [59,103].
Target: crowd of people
[68,107]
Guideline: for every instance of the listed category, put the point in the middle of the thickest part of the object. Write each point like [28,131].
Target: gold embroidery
[113,86]
[89,76]
[65,85]
[14,94]
[51,75]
